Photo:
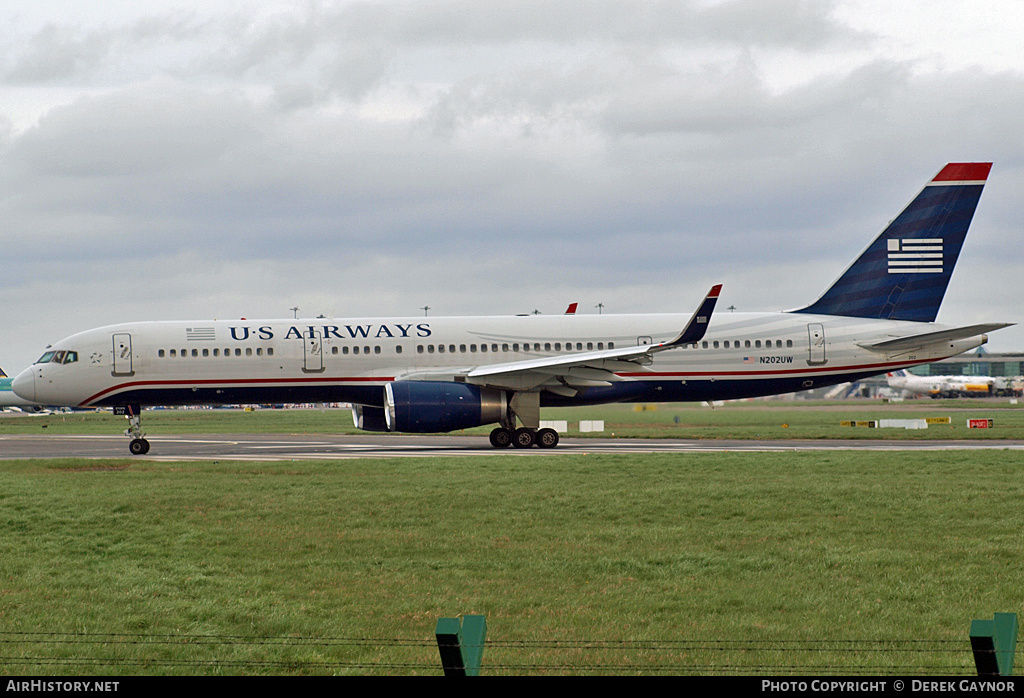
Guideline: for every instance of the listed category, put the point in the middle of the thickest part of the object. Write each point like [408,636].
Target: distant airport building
[978,363]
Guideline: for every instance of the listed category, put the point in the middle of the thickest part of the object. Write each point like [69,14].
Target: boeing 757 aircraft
[447,373]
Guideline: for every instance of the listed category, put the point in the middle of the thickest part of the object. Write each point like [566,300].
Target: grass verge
[130,567]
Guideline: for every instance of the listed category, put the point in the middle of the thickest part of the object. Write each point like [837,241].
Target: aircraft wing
[566,374]
[921,340]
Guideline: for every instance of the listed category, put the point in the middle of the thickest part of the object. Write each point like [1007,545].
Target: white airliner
[951,386]
[447,373]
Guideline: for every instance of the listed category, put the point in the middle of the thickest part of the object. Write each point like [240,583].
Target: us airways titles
[395,331]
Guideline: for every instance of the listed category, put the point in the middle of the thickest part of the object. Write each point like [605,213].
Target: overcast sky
[187,160]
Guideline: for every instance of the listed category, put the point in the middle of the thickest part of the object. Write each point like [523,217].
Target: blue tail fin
[904,273]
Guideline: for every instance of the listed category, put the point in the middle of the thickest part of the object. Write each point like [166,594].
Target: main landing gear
[525,406]
[138,446]
[524,438]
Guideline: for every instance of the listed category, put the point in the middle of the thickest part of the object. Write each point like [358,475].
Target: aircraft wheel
[138,447]
[547,438]
[501,438]
[523,438]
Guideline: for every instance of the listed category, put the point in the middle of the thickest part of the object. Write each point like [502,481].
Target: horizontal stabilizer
[926,338]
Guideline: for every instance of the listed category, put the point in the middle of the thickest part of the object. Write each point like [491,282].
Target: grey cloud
[487,158]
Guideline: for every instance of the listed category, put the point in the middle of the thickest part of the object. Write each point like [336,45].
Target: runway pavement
[319,446]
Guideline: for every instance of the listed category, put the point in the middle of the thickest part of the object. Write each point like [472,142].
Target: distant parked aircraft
[952,386]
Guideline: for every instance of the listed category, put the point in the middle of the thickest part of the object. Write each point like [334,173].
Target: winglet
[698,324]
[571,310]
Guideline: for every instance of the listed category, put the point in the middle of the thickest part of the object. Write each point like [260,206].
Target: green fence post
[994,643]
[461,645]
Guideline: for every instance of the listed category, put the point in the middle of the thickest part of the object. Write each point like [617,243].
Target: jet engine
[428,406]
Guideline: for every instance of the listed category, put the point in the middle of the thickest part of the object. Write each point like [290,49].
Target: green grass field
[732,563]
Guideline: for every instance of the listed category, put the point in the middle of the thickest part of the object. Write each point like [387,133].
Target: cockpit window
[58,357]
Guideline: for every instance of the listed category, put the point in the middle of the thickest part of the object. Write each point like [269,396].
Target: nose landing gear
[138,446]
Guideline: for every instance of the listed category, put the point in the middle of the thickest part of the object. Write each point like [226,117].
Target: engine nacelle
[426,407]
[369,418]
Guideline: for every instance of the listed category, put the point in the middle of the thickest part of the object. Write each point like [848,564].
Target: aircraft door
[816,343]
[312,352]
[644,341]
[122,355]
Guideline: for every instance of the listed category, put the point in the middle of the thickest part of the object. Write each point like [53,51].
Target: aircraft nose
[24,385]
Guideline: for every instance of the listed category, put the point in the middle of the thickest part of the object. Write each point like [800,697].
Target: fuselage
[351,360]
